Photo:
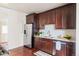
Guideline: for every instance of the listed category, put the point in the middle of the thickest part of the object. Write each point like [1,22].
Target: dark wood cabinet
[30,18]
[37,43]
[67,49]
[49,46]
[52,16]
[36,23]
[42,21]
[58,20]
[71,16]
[63,17]
[66,17]
[46,18]
[33,19]
[44,45]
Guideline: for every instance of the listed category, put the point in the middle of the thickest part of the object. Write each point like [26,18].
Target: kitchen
[43,29]
[54,31]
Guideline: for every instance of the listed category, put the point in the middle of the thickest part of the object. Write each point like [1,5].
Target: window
[4,29]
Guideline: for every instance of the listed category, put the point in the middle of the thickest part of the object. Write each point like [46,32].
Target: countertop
[53,38]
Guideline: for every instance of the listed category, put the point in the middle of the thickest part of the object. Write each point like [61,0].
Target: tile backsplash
[58,32]
[52,32]
[72,32]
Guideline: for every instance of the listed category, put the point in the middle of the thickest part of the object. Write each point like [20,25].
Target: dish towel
[58,45]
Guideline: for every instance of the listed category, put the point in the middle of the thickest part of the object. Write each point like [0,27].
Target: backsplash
[72,32]
[52,32]
[58,32]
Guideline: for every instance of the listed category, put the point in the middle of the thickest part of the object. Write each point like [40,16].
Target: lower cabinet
[64,51]
[44,45]
[37,43]
[49,46]
[67,49]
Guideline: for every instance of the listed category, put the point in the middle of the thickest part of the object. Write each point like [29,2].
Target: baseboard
[15,47]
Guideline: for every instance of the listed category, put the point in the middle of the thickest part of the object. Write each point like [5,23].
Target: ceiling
[31,7]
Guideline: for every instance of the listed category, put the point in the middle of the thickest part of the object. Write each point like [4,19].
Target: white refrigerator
[28,35]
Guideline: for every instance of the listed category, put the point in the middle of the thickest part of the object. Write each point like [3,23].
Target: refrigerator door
[28,35]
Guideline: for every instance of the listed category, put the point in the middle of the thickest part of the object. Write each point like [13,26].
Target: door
[30,18]
[58,21]
[37,43]
[47,45]
[42,20]
[66,17]
[71,18]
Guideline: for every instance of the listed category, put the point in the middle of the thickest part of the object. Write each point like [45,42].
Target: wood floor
[22,51]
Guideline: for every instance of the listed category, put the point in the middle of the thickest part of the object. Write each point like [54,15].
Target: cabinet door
[47,45]
[41,21]
[30,18]
[58,21]
[33,19]
[37,43]
[52,17]
[71,49]
[71,18]
[36,23]
[68,17]
[46,18]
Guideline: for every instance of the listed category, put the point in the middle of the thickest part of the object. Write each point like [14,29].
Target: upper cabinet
[52,16]
[71,16]
[63,17]
[66,17]
[32,19]
[58,20]
[46,18]
[42,20]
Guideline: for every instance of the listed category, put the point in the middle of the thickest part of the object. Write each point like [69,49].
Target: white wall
[15,21]
[77,31]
